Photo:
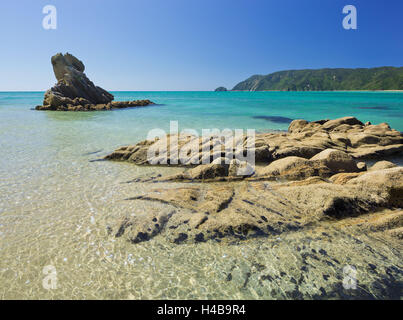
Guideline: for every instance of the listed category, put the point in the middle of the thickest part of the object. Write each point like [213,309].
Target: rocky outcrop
[75,92]
[96,107]
[346,137]
[311,207]
[322,183]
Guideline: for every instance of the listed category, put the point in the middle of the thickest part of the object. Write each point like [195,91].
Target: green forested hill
[383,78]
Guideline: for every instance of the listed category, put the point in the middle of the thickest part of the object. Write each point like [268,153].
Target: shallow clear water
[55,202]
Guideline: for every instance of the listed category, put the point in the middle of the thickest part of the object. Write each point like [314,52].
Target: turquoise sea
[197,110]
[55,203]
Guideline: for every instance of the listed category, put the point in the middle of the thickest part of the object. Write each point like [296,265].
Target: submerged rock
[75,92]
[248,209]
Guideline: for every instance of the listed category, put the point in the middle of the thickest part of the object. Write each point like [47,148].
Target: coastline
[64,209]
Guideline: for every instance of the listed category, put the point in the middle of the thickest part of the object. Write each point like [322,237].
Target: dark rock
[75,92]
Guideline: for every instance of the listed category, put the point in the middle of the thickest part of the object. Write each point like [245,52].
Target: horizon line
[43,91]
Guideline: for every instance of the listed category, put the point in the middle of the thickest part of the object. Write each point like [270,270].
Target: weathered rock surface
[343,178]
[75,92]
[382,165]
[294,168]
[324,165]
[206,171]
[336,160]
[304,263]
[311,208]
[390,180]
[247,209]
[239,168]
[304,139]
[324,186]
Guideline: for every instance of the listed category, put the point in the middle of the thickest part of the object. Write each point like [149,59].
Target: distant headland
[382,78]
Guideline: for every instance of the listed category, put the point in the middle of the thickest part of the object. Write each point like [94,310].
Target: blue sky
[193,44]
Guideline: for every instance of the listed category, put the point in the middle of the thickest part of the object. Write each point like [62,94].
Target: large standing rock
[75,92]
[72,83]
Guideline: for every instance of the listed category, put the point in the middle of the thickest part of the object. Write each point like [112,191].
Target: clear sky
[192,44]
